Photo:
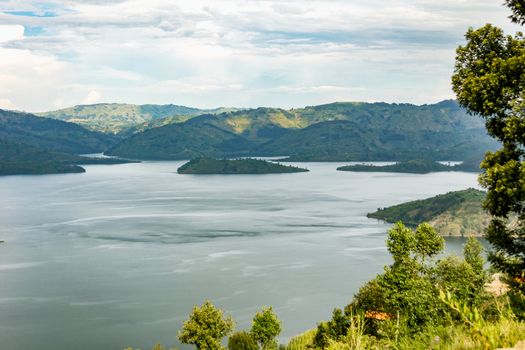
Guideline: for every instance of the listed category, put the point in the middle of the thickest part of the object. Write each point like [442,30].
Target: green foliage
[302,341]
[206,327]
[518,11]
[405,286]
[458,213]
[354,338]
[412,247]
[473,253]
[235,166]
[265,327]
[242,341]
[411,166]
[427,243]
[488,81]
[459,278]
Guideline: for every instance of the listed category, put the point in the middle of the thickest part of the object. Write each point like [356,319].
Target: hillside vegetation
[36,145]
[334,132]
[457,213]
[182,141]
[126,118]
[51,135]
[16,158]
[235,166]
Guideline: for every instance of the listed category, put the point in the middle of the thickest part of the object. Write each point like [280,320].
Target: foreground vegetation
[458,213]
[235,166]
[418,302]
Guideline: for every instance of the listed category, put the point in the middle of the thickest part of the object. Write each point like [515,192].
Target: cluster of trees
[407,298]
[207,326]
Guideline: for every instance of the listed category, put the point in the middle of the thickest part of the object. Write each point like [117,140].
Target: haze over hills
[333,132]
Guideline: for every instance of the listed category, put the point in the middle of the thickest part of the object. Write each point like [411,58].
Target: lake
[119,255]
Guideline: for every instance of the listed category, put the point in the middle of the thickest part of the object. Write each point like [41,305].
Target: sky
[233,53]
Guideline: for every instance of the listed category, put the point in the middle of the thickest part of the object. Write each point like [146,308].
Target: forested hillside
[51,135]
[334,132]
[126,118]
[457,213]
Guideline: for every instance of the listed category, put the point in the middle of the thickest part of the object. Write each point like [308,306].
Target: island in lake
[206,165]
[458,213]
[417,166]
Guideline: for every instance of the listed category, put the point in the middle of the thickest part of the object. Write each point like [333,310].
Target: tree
[206,327]
[489,80]
[265,327]
[242,341]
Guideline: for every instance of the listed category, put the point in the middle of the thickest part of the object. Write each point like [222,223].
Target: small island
[458,213]
[418,166]
[210,166]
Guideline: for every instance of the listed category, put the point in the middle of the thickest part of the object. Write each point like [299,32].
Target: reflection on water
[119,255]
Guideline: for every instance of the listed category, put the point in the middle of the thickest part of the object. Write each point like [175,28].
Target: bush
[242,341]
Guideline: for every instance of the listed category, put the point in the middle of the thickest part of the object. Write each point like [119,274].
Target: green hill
[235,166]
[125,118]
[182,141]
[334,132]
[419,166]
[457,213]
[51,135]
[36,145]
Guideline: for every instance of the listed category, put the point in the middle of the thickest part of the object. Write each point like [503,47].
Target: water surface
[119,255]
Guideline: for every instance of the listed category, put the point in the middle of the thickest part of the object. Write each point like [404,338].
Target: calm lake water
[119,255]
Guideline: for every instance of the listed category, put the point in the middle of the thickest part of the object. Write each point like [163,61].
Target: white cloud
[11,32]
[92,97]
[207,53]
[5,103]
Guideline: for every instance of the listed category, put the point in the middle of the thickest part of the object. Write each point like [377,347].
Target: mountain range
[343,131]
[333,132]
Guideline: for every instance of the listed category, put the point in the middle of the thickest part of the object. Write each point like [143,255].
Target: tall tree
[206,327]
[265,327]
[489,80]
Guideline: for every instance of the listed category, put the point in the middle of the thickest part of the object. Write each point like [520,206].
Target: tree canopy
[265,327]
[489,80]
[206,327]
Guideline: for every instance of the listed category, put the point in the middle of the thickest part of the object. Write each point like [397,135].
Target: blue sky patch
[31,13]
[33,31]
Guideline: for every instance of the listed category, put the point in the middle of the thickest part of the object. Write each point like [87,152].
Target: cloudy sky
[243,53]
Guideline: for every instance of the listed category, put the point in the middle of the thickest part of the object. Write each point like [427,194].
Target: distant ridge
[343,131]
[116,118]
